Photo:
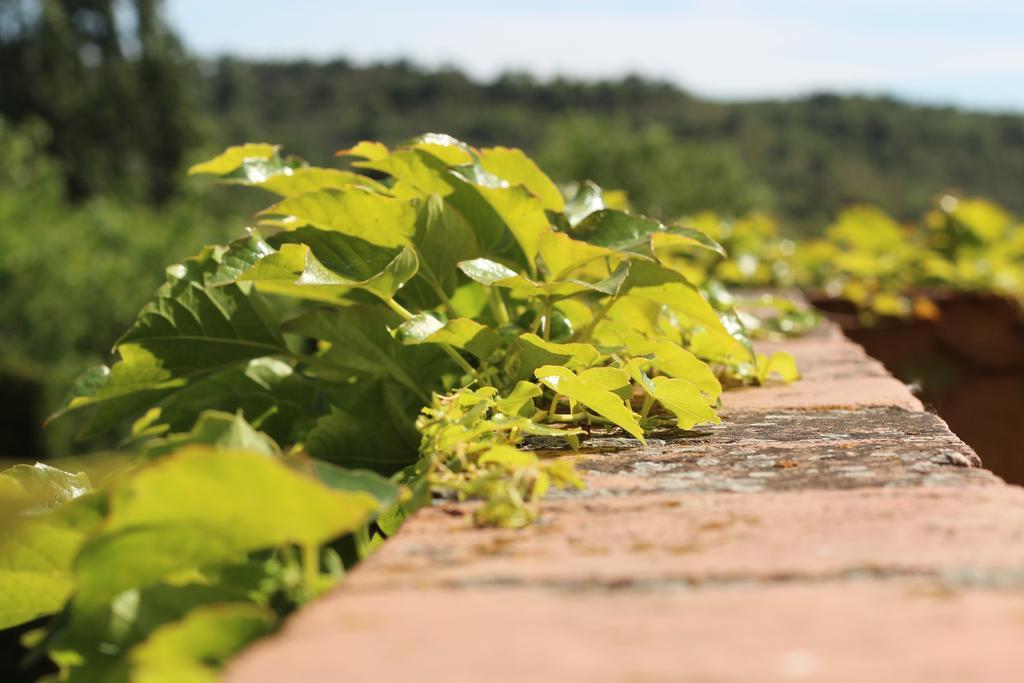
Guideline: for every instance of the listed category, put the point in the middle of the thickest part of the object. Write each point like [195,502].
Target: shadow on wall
[968,365]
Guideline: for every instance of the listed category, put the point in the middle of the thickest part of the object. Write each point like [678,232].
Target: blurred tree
[663,175]
[110,80]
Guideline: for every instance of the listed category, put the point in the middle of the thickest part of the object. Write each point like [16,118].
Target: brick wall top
[826,530]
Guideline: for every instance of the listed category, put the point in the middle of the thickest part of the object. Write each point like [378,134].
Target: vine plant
[382,336]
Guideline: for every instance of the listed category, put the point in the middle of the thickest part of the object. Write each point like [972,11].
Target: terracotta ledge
[827,530]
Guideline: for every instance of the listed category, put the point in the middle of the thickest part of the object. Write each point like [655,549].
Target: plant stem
[571,417]
[498,306]
[398,308]
[554,405]
[310,567]
[648,402]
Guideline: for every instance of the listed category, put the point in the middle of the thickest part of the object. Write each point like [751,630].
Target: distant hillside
[812,155]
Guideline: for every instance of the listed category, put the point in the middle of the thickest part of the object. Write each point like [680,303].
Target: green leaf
[367,149]
[667,287]
[295,181]
[610,379]
[36,555]
[194,649]
[593,397]
[351,258]
[342,479]
[519,401]
[635,368]
[491,273]
[41,486]
[631,234]
[685,401]
[362,346]
[487,272]
[173,515]
[451,151]
[134,384]
[270,394]
[417,171]
[190,327]
[233,157]
[781,364]
[523,215]
[218,430]
[442,239]
[99,644]
[518,169]
[534,352]
[460,333]
[562,255]
[675,361]
[508,456]
[354,211]
[342,437]
[496,213]
[586,198]
[296,271]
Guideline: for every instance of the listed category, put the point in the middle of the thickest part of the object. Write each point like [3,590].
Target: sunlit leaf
[519,401]
[295,270]
[233,157]
[194,649]
[523,214]
[535,352]
[610,379]
[354,211]
[780,364]
[596,399]
[666,287]
[37,552]
[519,169]
[684,400]
[460,333]
[583,199]
[451,151]
[675,361]
[218,430]
[632,234]
[491,273]
[307,179]
[173,515]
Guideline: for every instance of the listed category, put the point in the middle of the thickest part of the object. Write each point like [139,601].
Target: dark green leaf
[631,234]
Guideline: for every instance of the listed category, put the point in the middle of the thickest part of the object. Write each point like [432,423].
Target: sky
[963,52]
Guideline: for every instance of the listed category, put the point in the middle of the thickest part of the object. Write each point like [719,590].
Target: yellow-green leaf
[233,157]
[675,361]
[597,400]
[518,169]
[355,211]
[685,401]
[173,515]
[781,364]
[291,182]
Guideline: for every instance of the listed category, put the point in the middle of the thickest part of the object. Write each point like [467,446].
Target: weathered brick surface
[905,631]
[828,530]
